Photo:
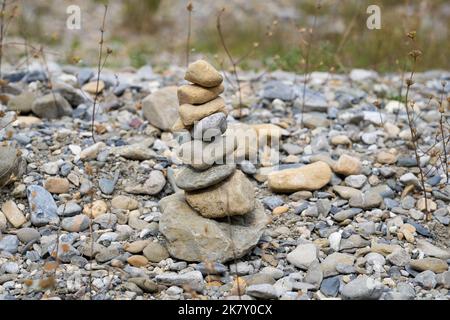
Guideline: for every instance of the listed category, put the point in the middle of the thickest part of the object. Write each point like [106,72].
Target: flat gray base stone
[192,237]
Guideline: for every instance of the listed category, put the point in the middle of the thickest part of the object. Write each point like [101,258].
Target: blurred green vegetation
[144,31]
[354,47]
[138,15]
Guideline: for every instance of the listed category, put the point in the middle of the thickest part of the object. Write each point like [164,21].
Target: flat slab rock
[190,179]
[191,237]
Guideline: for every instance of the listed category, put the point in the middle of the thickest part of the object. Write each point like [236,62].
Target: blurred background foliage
[154,32]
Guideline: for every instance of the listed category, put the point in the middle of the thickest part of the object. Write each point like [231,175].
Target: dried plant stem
[2,32]
[188,40]
[400,91]
[442,128]
[307,62]
[91,257]
[5,22]
[100,65]
[414,138]
[50,85]
[47,70]
[348,31]
[230,57]
[27,58]
[57,260]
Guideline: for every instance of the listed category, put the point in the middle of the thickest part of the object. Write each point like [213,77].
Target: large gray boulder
[51,106]
[12,165]
[161,108]
[192,237]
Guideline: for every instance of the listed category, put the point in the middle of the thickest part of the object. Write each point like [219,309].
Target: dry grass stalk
[442,132]
[5,21]
[309,43]
[414,55]
[100,64]
[189,8]
[234,62]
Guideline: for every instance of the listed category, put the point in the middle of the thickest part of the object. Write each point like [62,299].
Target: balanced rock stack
[216,217]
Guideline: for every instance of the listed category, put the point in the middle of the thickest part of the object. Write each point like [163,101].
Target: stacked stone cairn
[216,217]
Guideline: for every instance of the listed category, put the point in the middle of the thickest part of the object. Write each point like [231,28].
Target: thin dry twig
[49,78]
[100,65]
[307,60]
[5,21]
[228,53]
[414,54]
[234,62]
[441,127]
[189,8]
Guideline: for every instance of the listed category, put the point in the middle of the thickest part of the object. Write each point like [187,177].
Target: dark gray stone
[426,279]
[189,179]
[211,268]
[84,75]
[346,214]
[65,169]
[210,127]
[272,202]
[313,100]
[362,288]
[69,209]
[247,167]
[406,162]
[278,90]
[106,185]
[330,286]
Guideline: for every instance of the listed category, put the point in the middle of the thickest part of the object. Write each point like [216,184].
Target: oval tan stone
[202,73]
[92,88]
[137,261]
[190,113]
[99,207]
[57,185]
[346,192]
[348,165]
[13,214]
[268,134]
[385,157]
[310,177]
[136,246]
[341,140]
[124,203]
[433,264]
[195,94]
[233,196]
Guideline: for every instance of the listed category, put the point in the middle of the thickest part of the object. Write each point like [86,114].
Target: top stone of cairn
[202,73]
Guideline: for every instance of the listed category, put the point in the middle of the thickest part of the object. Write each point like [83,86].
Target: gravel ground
[81,219]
